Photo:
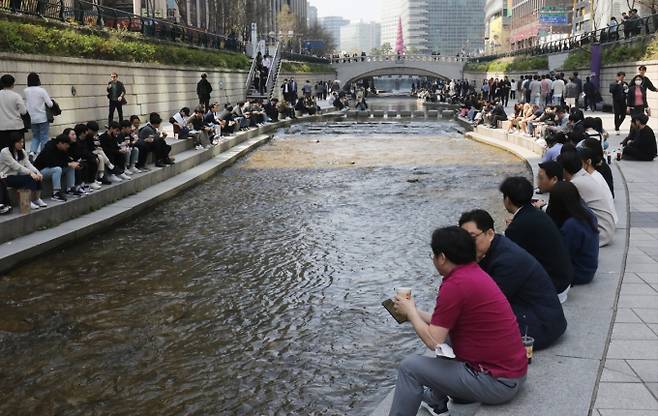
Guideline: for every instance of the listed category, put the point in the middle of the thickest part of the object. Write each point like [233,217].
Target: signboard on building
[554,16]
[313,44]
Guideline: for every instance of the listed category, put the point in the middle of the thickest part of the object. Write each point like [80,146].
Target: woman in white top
[17,171]
[36,100]
[11,109]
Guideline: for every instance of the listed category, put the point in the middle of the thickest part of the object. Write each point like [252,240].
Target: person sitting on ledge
[179,121]
[579,230]
[596,195]
[520,277]
[18,172]
[117,155]
[199,130]
[53,161]
[496,115]
[642,146]
[490,364]
[535,232]
[151,140]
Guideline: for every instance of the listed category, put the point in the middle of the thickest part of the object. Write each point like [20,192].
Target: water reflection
[257,292]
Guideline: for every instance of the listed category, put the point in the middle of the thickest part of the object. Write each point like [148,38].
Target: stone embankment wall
[79,86]
[608,75]
[301,78]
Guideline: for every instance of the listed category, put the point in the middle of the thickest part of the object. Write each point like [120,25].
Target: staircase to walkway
[272,77]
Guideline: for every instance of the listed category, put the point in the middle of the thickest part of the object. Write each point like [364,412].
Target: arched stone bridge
[353,68]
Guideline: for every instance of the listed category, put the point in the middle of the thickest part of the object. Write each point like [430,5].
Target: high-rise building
[539,21]
[312,16]
[332,24]
[360,37]
[450,27]
[497,20]
[588,15]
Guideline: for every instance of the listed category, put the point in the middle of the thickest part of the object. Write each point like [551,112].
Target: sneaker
[98,182]
[94,186]
[198,147]
[4,209]
[115,179]
[562,296]
[125,177]
[31,156]
[143,168]
[160,164]
[58,196]
[34,206]
[440,410]
[74,192]
[169,161]
[134,170]
[40,203]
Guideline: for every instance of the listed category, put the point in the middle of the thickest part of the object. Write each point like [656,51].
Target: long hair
[15,138]
[566,203]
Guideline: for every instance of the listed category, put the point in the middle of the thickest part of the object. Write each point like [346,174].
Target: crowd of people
[85,157]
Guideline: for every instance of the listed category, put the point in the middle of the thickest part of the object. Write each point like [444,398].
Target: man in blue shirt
[520,277]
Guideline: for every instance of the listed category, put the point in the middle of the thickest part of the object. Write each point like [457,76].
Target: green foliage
[297,67]
[56,41]
[517,63]
[641,50]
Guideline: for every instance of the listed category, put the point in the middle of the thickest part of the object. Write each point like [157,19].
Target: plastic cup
[403,292]
[528,343]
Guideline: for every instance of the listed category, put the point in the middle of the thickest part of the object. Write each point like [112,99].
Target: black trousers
[620,114]
[159,148]
[204,100]
[634,153]
[88,172]
[544,331]
[119,107]
[22,182]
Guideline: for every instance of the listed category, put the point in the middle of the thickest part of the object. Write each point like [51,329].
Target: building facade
[497,25]
[333,24]
[312,19]
[449,27]
[538,21]
[360,37]
[591,15]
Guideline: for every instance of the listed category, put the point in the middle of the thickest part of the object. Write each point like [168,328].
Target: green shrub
[641,50]
[517,63]
[306,67]
[56,41]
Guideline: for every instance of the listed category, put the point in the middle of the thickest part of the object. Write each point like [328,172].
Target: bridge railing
[396,59]
[624,31]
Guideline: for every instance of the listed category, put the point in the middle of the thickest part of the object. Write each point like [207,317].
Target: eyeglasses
[475,236]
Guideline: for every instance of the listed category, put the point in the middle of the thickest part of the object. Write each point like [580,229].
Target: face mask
[638,82]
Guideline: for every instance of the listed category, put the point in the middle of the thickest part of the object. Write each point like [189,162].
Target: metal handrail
[250,77]
[604,35]
[273,71]
[396,59]
[89,14]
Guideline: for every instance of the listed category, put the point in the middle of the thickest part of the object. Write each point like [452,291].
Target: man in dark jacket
[110,144]
[523,281]
[619,91]
[203,90]
[151,140]
[642,146]
[53,161]
[536,232]
[579,88]
[116,93]
[590,95]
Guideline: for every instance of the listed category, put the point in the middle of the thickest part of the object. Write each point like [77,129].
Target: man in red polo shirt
[490,363]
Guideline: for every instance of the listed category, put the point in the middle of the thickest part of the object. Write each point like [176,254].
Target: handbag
[27,121]
[52,112]
[123,101]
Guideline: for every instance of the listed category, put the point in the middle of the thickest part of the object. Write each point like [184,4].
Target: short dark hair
[33,79]
[133,118]
[642,118]
[455,243]
[552,169]
[113,125]
[185,110]
[93,126]
[620,73]
[125,123]
[570,160]
[480,217]
[63,138]
[642,68]
[154,118]
[518,189]
[594,150]
[7,81]
[80,129]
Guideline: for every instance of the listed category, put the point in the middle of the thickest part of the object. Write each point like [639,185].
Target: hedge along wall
[608,76]
[301,78]
[79,86]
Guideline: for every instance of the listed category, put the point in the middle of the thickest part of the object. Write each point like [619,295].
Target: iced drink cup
[403,292]
[528,343]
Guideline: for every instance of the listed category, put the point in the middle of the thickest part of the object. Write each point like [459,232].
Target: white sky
[354,10]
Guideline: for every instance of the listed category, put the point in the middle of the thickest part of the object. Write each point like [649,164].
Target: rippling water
[257,292]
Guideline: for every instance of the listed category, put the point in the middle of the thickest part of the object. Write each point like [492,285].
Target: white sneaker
[34,206]
[563,295]
[97,182]
[198,147]
[94,186]
[40,203]
[125,177]
[115,179]
[134,170]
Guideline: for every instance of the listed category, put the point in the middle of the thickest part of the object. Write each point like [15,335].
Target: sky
[354,10]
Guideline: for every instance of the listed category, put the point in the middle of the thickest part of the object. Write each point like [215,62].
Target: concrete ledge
[378,114]
[432,114]
[419,114]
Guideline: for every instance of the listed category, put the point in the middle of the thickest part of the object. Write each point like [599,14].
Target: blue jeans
[55,173]
[39,136]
